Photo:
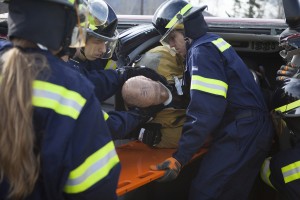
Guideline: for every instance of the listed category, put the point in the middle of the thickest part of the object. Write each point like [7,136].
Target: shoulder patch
[194,68]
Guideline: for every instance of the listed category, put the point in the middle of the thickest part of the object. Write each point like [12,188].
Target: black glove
[150,134]
[287,71]
[129,72]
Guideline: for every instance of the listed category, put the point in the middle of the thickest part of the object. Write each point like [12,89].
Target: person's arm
[107,82]
[94,168]
[121,123]
[208,100]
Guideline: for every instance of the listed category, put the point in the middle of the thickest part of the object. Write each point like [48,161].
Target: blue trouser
[289,188]
[229,169]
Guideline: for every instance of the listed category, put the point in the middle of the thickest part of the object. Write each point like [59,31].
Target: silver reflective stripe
[221,44]
[291,172]
[209,85]
[58,98]
[92,169]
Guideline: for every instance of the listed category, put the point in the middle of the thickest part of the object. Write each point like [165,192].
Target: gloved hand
[287,71]
[172,168]
[146,114]
[129,72]
[150,134]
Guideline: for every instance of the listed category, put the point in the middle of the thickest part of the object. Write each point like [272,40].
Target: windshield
[268,9]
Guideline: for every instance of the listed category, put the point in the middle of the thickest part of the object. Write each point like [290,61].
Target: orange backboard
[136,157]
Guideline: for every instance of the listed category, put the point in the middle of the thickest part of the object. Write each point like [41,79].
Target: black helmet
[179,14]
[286,101]
[48,23]
[172,11]
[166,12]
[103,30]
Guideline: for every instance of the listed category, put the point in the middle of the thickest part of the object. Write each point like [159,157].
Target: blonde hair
[19,164]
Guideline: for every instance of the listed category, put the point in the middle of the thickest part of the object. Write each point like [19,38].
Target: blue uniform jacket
[78,157]
[220,86]
[107,83]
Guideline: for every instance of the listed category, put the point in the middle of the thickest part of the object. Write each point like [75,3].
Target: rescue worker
[100,44]
[226,103]
[98,51]
[281,171]
[54,141]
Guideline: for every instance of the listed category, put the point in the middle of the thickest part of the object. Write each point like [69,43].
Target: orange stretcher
[136,157]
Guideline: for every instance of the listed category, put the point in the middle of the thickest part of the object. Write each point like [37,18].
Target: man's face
[176,40]
[94,48]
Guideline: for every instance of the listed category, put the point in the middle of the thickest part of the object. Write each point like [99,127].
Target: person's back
[54,141]
[244,92]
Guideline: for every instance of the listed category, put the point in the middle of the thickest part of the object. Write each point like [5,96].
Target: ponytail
[19,164]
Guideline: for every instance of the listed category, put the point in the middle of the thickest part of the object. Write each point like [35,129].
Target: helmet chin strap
[82,53]
[188,43]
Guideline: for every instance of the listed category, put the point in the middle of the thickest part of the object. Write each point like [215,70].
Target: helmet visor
[110,43]
[98,12]
[169,37]
[78,38]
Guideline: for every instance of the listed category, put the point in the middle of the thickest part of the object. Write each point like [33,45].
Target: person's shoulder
[62,74]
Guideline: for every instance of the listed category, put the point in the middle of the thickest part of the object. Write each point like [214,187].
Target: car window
[268,9]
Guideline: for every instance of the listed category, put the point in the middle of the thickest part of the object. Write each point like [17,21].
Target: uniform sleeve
[120,123]
[107,82]
[208,100]
[94,164]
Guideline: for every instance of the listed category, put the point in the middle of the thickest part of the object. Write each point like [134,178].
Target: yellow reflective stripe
[105,115]
[265,172]
[291,172]
[71,1]
[221,44]
[58,98]
[289,106]
[173,21]
[111,64]
[212,86]
[96,167]
[92,23]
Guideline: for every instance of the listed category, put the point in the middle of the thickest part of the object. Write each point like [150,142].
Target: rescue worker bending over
[281,171]
[102,37]
[54,141]
[226,103]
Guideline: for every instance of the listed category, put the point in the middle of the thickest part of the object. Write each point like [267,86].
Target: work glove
[287,71]
[172,168]
[146,114]
[150,134]
[128,72]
